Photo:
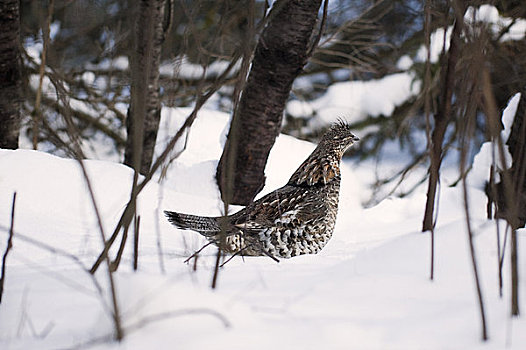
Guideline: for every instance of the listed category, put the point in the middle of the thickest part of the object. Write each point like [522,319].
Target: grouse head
[323,165]
[337,139]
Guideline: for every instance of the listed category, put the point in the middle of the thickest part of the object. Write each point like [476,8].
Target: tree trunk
[280,55]
[516,216]
[10,74]
[517,147]
[144,113]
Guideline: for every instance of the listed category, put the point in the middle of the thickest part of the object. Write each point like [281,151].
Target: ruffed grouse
[295,219]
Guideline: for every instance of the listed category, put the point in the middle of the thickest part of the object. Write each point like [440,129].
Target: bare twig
[196,253]
[8,247]
[474,261]
[427,111]
[316,41]
[136,242]
[37,112]
[468,126]
[216,266]
[501,250]
[159,245]
[115,263]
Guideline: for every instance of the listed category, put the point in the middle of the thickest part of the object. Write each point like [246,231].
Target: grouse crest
[295,219]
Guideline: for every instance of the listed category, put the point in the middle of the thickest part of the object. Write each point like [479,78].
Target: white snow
[181,67]
[367,289]
[490,15]
[118,63]
[438,42]
[404,63]
[354,100]
[489,152]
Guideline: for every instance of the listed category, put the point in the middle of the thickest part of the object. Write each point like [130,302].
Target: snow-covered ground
[368,289]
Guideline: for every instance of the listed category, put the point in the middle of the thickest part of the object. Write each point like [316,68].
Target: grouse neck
[318,168]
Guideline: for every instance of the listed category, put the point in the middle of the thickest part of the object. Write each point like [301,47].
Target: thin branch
[8,247]
[474,261]
[37,114]
[196,253]
[316,41]
[115,263]
[427,111]
[468,126]
[216,266]
[136,242]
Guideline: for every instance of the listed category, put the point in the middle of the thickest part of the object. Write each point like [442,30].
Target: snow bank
[368,289]
[355,100]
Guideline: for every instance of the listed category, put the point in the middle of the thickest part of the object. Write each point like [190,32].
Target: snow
[486,14]
[48,89]
[438,42]
[367,289]
[490,15]
[354,100]
[182,68]
[34,50]
[489,153]
[118,63]
[404,63]
[508,115]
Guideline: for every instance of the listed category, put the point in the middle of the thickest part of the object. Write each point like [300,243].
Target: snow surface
[368,289]
[355,100]
[181,67]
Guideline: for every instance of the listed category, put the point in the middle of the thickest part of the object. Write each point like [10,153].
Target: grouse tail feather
[205,225]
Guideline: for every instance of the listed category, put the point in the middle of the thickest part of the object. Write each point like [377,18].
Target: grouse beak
[352,139]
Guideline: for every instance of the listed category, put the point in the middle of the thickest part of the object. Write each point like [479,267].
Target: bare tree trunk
[144,113]
[516,216]
[442,118]
[281,53]
[518,169]
[517,147]
[10,74]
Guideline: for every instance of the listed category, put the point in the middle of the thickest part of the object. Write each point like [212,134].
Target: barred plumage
[295,219]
